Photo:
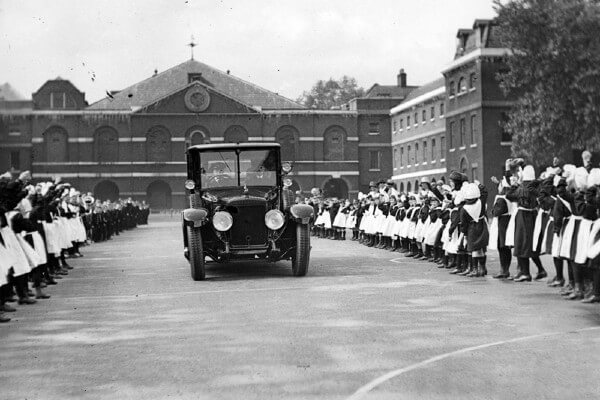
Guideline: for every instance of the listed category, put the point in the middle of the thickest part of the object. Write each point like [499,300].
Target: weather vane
[192,45]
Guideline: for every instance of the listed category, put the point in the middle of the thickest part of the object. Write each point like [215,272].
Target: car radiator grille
[249,226]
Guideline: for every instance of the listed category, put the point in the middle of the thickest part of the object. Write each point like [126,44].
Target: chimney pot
[402,78]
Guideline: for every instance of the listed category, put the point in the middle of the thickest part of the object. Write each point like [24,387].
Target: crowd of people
[42,225]
[449,224]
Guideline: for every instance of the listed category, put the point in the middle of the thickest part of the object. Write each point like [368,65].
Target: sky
[282,45]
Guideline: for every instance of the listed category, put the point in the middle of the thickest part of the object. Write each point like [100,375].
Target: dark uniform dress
[525,196]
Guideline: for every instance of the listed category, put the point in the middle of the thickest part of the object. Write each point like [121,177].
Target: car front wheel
[301,257]
[196,255]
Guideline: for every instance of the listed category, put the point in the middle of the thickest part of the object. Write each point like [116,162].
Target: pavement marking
[362,391]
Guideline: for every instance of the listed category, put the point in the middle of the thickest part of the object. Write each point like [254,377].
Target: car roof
[232,146]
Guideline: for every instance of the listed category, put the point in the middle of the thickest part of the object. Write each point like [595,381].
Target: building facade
[419,136]
[476,107]
[132,143]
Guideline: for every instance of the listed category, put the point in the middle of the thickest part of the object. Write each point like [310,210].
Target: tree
[554,71]
[327,94]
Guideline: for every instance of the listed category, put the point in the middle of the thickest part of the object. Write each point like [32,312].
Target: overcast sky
[284,46]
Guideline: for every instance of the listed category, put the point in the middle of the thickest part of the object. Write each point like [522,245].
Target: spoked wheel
[301,257]
[196,255]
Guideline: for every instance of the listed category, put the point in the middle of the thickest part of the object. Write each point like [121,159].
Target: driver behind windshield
[217,176]
[258,174]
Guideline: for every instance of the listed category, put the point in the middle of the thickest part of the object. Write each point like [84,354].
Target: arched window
[197,135]
[158,144]
[417,186]
[106,140]
[56,143]
[287,136]
[401,187]
[408,188]
[236,134]
[334,143]
[464,168]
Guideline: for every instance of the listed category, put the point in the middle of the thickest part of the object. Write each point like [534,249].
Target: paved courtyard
[129,323]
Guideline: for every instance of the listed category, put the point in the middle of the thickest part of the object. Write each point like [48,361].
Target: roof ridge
[248,83]
[139,82]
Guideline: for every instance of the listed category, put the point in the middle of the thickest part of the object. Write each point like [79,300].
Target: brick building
[419,136]
[477,144]
[132,143]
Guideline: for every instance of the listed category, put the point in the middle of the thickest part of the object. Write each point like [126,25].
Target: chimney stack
[402,78]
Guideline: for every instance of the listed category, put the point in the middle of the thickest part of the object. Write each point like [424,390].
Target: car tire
[196,255]
[301,256]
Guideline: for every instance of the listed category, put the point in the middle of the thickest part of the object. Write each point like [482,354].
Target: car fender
[302,213]
[195,216]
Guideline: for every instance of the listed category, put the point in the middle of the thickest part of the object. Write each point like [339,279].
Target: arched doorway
[57,148]
[106,190]
[236,134]
[335,187]
[287,137]
[158,195]
[158,144]
[106,141]
[334,143]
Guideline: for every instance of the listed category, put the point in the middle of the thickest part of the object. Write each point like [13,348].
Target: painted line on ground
[362,391]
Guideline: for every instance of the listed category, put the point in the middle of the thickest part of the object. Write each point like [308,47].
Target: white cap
[472,191]
[581,177]
[528,173]
[594,177]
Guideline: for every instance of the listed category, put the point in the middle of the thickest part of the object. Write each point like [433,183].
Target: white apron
[21,263]
[52,239]
[583,238]
[594,246]
[567,238]
[32,256]
[510,230]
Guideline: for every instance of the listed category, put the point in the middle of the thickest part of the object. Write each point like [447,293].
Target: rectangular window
[408,122]
[506,135]
[424,116]
[374,160]
[472,80]
[395,126]
[373,128]
[451,87]
[433,155]
[416,118]
[451,137]
[442,109]
[395,158]
[432,112]
[443,147]
[474,173]
[401,123]
[473,129]
[401,156]
[15,160]
[408,156]
[462,132]
[424,151]
[58,100]
[417,153]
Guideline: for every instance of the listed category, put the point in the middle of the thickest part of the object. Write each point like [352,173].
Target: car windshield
[256,168]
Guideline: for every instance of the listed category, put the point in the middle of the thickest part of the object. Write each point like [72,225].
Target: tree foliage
[554,71]
[331,93]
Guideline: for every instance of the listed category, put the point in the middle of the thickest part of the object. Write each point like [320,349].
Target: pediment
[197,98]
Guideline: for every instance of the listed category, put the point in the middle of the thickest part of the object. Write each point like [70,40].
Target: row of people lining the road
[449,224]
[43,224]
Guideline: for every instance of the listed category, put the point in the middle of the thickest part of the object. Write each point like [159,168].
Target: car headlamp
[222,221]
[274,219]
[189,184]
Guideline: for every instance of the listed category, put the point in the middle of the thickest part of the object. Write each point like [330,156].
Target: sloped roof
[160,85]
[378,90]
[426,88]
[8,93]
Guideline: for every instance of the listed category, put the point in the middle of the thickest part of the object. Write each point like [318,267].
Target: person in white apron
[501,213]
[474,227]
[459,258]
[339,222]
[561,212]
[441,240]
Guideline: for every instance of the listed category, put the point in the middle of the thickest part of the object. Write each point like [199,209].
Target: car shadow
[244,269]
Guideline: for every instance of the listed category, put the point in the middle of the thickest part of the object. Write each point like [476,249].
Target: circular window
[197,99]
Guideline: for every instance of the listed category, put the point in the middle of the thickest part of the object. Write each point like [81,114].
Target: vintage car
[241,207]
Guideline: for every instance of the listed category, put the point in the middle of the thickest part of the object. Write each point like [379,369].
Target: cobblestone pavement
[129,323]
